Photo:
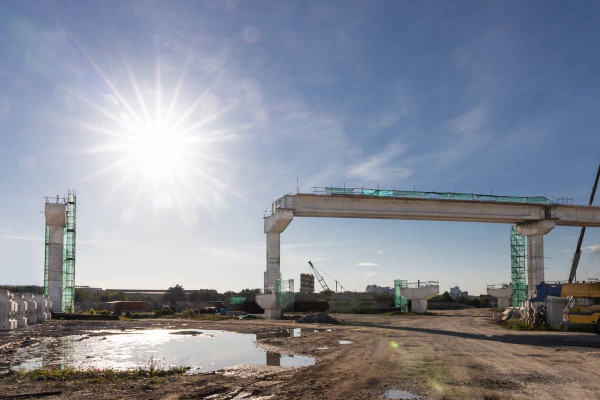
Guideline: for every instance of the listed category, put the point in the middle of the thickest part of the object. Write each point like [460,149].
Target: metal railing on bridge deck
[415,194]
[499,286]
[419,284]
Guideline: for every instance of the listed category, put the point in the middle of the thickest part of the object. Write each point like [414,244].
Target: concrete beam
[352,206]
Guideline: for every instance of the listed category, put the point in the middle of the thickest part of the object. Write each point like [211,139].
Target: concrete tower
[59,263]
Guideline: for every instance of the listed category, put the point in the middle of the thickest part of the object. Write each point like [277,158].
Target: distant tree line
[446,298]
[175,293]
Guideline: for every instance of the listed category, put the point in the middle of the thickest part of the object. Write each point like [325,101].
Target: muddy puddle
[399,395]
[201,350]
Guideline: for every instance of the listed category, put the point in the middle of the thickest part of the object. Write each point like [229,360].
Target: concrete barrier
[32,306]
[21,313]
[7,311]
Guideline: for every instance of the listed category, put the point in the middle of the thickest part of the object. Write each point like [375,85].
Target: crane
[319,277]
[579,242]
[322,281]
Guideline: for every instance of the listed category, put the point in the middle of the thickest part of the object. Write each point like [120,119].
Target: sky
[179,122]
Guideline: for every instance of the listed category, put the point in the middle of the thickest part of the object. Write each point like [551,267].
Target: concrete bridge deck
[356,206]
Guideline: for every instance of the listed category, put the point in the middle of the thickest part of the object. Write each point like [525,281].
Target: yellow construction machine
[584,303]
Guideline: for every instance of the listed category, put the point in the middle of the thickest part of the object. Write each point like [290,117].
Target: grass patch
[94,375]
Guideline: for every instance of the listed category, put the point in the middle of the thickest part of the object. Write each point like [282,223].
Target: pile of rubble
[19,309]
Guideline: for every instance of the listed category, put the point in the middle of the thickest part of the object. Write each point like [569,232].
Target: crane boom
[319,277]
[582,233]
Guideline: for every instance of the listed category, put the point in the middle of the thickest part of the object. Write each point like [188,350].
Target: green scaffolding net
[436,195]
[400,301]
[46,250]
[517,267]
[284,294]
[68,294]
[237,300]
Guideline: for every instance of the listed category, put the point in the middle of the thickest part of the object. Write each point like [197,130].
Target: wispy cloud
[382,165]
[591,249]
[367,264]
[9,236]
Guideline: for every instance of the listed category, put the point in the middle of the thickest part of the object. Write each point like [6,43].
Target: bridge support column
[535,231]
[273,259]
[274,225]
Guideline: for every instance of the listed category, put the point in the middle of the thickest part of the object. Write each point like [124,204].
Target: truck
[584,303]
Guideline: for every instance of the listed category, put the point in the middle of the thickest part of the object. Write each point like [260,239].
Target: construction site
[299,200]
[527,338]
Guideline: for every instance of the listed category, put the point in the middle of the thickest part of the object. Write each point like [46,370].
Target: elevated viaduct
[534,218]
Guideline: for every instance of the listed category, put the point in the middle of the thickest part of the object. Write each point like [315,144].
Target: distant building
[307,283]
[456,292]
[374,289]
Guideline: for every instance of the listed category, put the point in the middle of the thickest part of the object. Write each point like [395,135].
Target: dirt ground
[446,355]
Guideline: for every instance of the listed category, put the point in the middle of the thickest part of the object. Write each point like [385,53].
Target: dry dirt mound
[319,318]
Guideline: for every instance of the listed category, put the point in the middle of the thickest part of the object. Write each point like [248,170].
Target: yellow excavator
[584,303]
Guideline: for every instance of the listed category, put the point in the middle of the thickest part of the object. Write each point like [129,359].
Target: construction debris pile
[19,309]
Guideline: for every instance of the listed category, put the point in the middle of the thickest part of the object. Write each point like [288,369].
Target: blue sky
[447,96]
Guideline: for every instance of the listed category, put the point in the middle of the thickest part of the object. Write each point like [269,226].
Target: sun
[160,145]
[157,148]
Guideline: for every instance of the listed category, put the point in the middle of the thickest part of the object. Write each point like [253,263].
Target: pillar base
[273,313]
[419,306]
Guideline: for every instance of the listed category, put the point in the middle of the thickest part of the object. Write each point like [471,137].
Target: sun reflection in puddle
[202,350]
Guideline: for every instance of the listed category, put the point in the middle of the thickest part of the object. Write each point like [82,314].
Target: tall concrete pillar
[273,259]
[274,225]
[535,231]
[55,219]
[535,262]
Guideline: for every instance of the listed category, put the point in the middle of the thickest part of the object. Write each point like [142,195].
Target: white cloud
[367,264]
[370,275]
[379,252]
[591,249]
[380,166]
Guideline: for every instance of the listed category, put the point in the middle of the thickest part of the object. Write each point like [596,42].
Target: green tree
[176,293]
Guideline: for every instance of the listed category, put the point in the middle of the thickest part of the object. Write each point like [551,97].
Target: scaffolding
[284,294]
[68,294]
[400,301]
[46,250]
[517,267]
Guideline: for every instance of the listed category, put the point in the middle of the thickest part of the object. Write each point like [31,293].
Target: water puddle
[201,350]
[345,342]
[399,395]
[322,348]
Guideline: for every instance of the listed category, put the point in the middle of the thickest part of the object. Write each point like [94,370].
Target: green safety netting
[237,300]
[400,301]
[437,195]
[46,249]
[517,267]
[68,296]
[284,294]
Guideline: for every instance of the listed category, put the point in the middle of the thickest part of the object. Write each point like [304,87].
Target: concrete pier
[419,294]
[534,232]
[502,294]
[55,219]
[274,225]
